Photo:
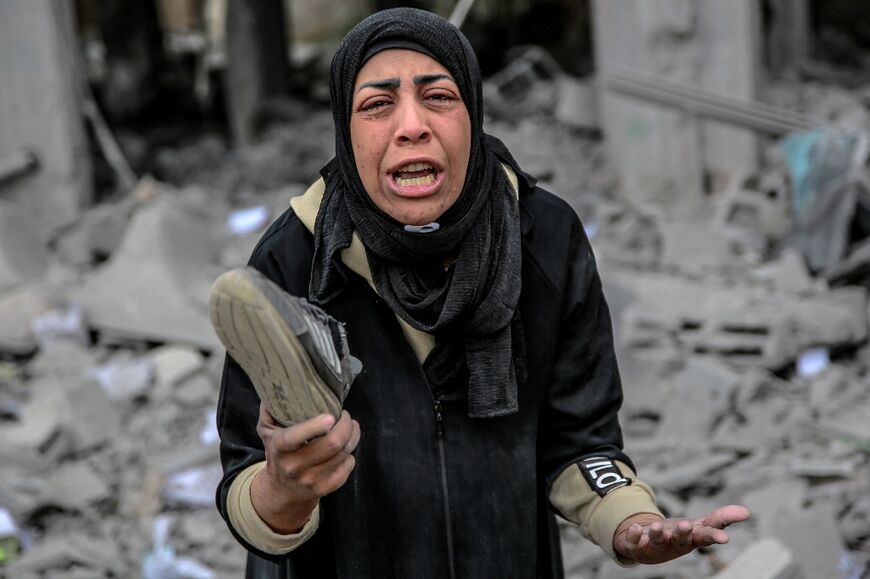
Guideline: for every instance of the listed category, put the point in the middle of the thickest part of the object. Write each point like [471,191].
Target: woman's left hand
[649,539]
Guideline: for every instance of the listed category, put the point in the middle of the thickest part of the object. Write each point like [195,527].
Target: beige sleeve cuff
[597,517]
[248,524]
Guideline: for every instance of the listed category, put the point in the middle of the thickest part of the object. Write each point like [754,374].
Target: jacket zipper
[439,436]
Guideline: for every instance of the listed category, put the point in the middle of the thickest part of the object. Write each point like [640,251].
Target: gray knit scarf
[470,308]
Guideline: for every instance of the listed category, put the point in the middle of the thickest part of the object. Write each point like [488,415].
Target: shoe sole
[268,350]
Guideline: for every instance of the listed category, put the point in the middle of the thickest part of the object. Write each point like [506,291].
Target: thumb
[727,515]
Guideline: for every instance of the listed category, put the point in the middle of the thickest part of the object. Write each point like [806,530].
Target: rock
[39,428]
[19,307]
[23,256]
[55,556]
[173,364]
[767,558]
[701,394]
[125,377]
[64,360]
[93,419]
[196,391]
[171,247]
[812,536]
[77,486]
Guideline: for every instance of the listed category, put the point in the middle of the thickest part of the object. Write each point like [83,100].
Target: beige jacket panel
[597,517]
[247,522]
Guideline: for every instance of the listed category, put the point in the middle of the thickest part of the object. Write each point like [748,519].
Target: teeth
[415,167]
[427,180]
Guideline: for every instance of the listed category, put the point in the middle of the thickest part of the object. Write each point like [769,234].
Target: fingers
[634,535]
[299,435]
[724,516]
[706,536]
[313,458]
[657,534]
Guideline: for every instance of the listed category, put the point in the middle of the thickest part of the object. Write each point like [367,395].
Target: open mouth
[415,174]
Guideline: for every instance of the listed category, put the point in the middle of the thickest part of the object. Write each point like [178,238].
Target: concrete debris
[18,310]
[524,86]
[766,559]
[163,562]
[748,325]
[98,231]
[60,324]
[125,377]
[812,536]
[91,556]
[172,248]
[744,354]
[76,486]
[23,255]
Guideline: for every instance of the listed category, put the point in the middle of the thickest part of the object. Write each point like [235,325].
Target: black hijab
[471,307]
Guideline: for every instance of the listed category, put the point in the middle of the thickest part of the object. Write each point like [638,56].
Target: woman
[490,391]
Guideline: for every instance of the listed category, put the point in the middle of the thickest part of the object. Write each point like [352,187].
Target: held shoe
[295,354]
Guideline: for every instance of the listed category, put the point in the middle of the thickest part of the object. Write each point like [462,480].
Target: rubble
[171,246]
[741,326]
[23,256]
[766,559]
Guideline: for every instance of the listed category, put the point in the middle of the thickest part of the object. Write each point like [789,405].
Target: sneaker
[295,354]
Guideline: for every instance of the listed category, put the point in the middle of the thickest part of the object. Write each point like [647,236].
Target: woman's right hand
[304,462]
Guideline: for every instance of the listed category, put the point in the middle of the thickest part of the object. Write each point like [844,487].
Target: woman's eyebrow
[427,78]
[387,83]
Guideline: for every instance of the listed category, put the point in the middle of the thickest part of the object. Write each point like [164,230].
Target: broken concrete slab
[699,397]
[174,363]
[812,536]
[767,558]
[749,325]
[156,285]
[788,273]
[753,216]
[93,419]
[759,426]
[57,555]
[39,428]
[23,256]
[98,231]
[687,470]
[196,391]
[19,307]
[77,486]
[694,244]
[64,359]
[125,376]
[692,566]
[780,495]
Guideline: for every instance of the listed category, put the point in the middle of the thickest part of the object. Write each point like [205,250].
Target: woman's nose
[412,125]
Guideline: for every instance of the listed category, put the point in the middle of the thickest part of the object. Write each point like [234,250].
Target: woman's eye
[372,106]
[440,98]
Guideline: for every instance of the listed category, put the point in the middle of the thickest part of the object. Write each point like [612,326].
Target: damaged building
[717,153]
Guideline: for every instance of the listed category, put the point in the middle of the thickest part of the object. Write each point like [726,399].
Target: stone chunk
[77,486]
[55,556]
[23,256]
[813,537]
[700,395]
[93,419]
[18,309]
[156,285]
[174,363]
[767,558]
[39,425]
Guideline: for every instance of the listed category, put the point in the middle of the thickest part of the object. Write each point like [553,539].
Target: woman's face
[411,135]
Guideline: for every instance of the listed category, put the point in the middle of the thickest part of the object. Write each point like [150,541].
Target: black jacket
[436,494]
